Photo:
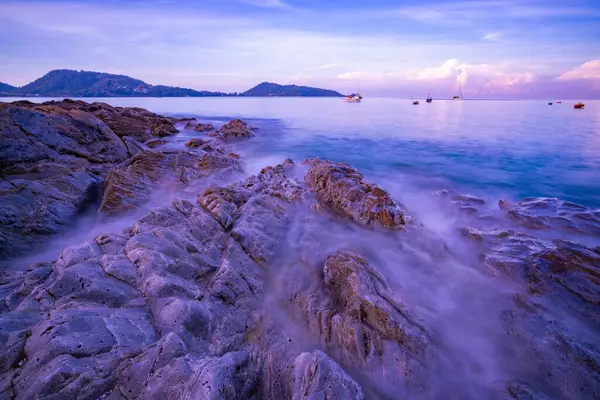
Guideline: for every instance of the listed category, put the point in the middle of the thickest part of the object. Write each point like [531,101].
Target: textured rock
[155,143]
[359,317]
[235,130]
[196,142]
[199,127]
[52,160]
[563,356]
[132,184]
[343,189]
[552,213]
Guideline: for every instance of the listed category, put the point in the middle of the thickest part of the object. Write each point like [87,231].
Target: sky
[491,48]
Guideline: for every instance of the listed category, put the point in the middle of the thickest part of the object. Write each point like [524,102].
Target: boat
[429,99]
[549,104]
[416,102]
[353,98]
[579,105]
[558,102]
[460,92]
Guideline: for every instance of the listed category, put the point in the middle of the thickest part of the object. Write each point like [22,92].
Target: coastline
[203,283]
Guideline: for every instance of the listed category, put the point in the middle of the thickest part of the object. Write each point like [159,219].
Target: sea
[492,149]
[507,149]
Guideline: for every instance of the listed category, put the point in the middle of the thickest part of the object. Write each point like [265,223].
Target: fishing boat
[429,99]
[416,102]
[579,105]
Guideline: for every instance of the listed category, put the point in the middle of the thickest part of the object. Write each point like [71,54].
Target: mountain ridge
[73,83]
[271,89]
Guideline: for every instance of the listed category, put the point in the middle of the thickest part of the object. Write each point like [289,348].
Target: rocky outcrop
[556,214]
[566,274]
[199,127]
[52,161]
[133,183]
[343,189]
[234,130]
[170,309]
[196,142]
[359,319]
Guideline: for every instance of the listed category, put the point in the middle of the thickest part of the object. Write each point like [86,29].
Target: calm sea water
[494,149]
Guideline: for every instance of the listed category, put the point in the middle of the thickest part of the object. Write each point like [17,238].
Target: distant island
[71,83]
[275,90]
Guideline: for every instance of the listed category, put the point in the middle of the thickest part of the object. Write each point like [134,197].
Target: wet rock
[133,146]
[155,143]
[133,183]
[317,376]
[343,189]
[552,213]
[235,130]
[564,274]
[54,156]
[200,127]
[138,123]
[195,142]
[253,210]
[360,318]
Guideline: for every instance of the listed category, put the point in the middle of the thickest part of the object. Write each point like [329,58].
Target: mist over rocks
[275,285]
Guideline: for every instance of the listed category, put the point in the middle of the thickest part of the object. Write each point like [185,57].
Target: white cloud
[588,70]
[492,36]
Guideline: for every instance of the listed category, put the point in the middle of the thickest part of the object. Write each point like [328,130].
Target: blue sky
[493,48]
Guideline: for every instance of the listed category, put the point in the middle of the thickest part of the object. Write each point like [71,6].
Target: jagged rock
[132,184]
[316,376]
[199,127]
[359,317]
[235,130]
[552,213]
[343,189]
[562,356]
[195,142]
[53,156]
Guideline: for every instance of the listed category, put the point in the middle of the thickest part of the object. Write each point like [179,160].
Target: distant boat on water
[416,102]
[429,99]
[460,93]
[579,105]
[353,98]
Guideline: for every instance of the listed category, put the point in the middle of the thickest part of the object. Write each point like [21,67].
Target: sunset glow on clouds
[494,48]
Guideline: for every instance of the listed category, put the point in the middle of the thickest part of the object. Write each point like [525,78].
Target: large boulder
[344,190]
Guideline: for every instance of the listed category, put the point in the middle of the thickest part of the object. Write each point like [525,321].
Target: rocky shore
[246,292]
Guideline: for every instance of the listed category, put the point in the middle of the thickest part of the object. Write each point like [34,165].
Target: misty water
[491,149]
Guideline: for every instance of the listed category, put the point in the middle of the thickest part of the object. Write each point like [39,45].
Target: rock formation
[344,189]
